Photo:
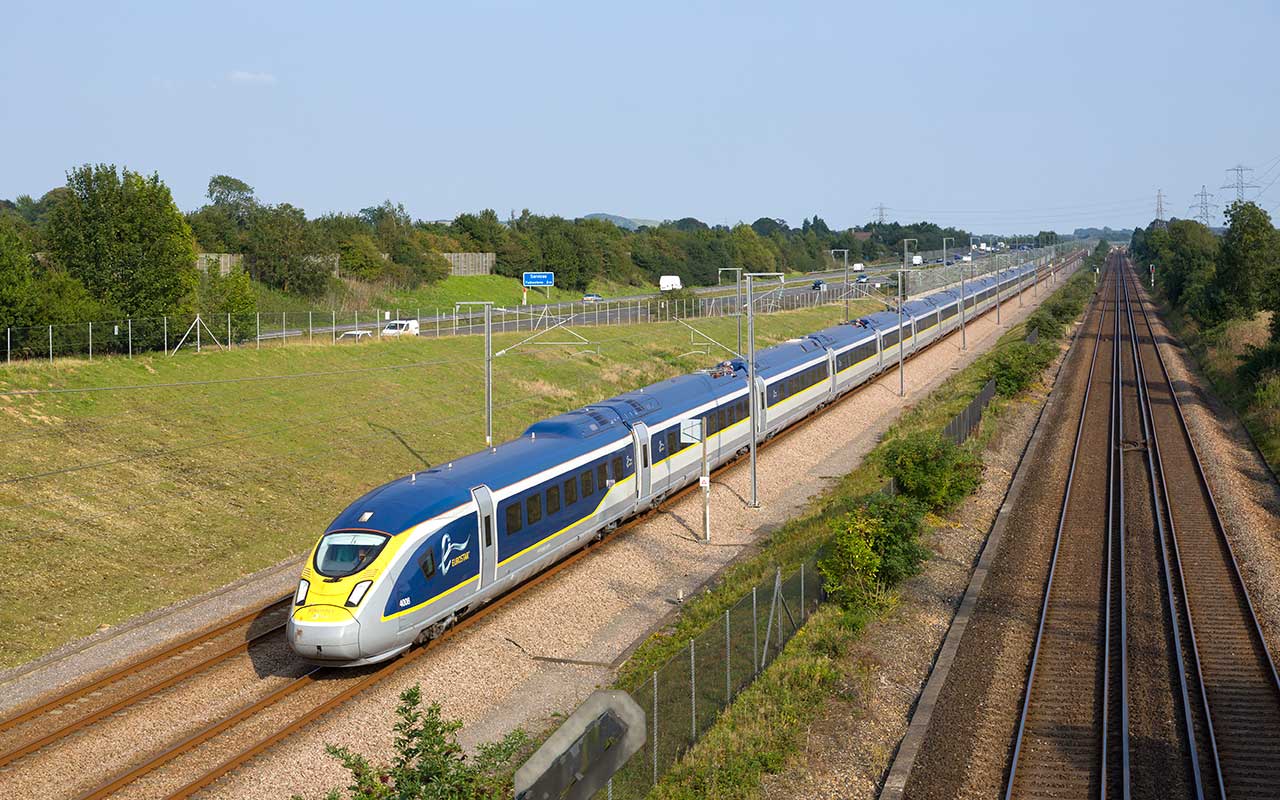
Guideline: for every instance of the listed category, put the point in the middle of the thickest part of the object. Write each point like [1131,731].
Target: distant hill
[1108,233]
[625,222]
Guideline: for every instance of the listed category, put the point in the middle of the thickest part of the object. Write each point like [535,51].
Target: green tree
[17,276]
[122,236]
[282,250]
[1250,261]
[749,251]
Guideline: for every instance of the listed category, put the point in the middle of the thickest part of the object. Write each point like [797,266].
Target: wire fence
[684,697]
[130,336]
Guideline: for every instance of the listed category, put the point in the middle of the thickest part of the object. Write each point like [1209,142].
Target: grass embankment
[1224,353]
[765,724]
[119,501]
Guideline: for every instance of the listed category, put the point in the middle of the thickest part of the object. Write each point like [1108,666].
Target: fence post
[438,323]
[755,634]
[50,344]
[653,721]
[8,345]
[693,696]
[310,330]
[166,332]
[802,602]
[228,330]
[91,342]
[333,324]
[130,338]
[284,337]
[728,681]
[257,328]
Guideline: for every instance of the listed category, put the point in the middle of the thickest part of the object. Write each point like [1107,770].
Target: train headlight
[301,596]
[357,593]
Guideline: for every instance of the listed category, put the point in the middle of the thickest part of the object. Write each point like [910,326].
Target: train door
[761,406]
[644,473]
[833,384]
[488,535]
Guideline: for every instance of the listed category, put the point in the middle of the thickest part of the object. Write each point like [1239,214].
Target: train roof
[661,401]
[882,320]
[785,356]
[837,337]
[415,498]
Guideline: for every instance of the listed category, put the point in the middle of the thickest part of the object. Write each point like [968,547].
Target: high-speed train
[405,561]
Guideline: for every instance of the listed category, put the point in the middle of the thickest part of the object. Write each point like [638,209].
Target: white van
[966,259]
[859,267]
[917,261]
[401,327]
[669,283]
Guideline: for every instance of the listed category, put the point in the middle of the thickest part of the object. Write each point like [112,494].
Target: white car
[401,327]
[355,335]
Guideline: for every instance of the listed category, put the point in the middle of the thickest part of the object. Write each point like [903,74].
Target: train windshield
[347,552]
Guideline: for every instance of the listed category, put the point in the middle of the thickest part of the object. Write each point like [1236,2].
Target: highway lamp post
[902,381]
[752,392]
[488,364]
[737,296]
[845,253]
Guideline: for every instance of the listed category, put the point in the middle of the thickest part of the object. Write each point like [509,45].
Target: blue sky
[997,116]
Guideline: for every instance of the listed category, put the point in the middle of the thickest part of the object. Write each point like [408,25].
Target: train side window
[588,487]
[488,530]
[618,468]
[570,492]
[427,563]
[602,476]
[514,522]
[533,508]
[673,441]
[553,500]
[722,420]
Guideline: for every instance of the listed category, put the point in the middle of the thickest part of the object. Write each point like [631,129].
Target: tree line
[1216,279]
[112,243]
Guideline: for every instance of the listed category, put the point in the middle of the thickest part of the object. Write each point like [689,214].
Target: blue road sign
[539,279]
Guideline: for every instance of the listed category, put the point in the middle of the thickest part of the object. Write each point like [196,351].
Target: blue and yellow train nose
[324,633]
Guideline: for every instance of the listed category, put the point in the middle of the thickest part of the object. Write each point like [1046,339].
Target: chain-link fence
[682,698]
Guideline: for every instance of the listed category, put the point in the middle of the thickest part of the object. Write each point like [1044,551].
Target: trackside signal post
[691,431]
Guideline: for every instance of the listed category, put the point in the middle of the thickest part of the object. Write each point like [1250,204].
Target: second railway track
[1175,693]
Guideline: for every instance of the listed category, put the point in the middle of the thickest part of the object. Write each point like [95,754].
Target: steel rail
[1116,562]
[1053,562]
[1200,646]
[171,651]
[1160,511]
[147,691]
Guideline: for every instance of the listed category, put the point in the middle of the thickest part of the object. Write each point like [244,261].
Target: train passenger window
[673,441]
[553,500]
[427,563]
[488,531]
[570,492]
[514,522]
[618,469]
[722,420]
[602,476]
[588,487]
[533,508]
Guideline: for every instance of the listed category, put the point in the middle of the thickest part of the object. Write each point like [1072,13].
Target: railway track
[1098,668]
[28,732]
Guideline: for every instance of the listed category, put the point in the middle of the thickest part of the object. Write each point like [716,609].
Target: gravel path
[495,676]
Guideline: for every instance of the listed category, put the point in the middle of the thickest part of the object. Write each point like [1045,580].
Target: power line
[1240,183]
[1202,207]
[880,213]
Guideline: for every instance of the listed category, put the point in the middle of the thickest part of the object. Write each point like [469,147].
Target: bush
[931,469]
[873,547]
[898,540]
[1015,366]
[429,763]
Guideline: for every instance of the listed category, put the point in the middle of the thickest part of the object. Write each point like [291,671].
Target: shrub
[850,566]
[429,763]
[931,469]
[1016,366]
[898,539]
